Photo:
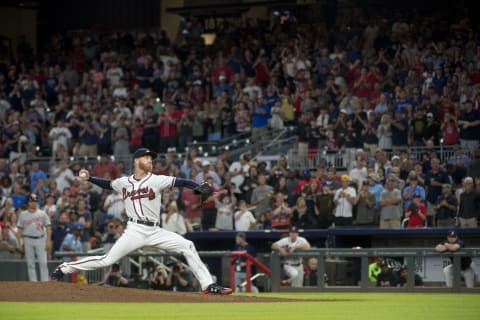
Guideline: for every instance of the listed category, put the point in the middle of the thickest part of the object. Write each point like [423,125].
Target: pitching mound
[68,292]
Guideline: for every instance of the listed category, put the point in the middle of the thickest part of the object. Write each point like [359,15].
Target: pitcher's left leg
[170,241]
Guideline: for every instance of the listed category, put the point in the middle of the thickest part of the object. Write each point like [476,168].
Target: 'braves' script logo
[138,194]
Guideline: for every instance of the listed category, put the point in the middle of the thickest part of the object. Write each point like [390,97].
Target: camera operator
[159,279]
[114,277]
[180,279]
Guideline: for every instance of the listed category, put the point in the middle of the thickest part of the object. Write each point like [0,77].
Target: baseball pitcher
[141,193]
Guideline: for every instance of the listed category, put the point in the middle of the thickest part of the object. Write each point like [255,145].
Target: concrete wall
[15,22]
[170,21]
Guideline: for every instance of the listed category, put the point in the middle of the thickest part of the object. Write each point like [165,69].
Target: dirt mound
[63,292]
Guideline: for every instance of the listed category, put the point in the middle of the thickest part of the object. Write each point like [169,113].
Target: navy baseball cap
[78,226]
[293,229]
[306,173]
[144,152]
[33,197]
[452,234]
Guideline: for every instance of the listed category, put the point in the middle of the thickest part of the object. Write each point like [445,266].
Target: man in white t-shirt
[120,90]
[114,74]
[60,135]
[345,197]
[63,175]
[359,173]
[251,89]
[244,219]
[292,265]
[238,171]
[168,61]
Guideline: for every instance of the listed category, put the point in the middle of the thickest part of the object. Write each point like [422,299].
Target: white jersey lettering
[142,197]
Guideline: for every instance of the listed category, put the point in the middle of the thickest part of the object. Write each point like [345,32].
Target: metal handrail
[250,260]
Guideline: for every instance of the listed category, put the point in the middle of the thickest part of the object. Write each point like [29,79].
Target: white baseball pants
[137,236]
[294,274]
[36,247]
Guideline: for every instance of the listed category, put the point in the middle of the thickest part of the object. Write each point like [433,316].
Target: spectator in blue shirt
[222,86]
[35,175]
[73,241]
[375,187]
[412,189]
[261,114]
[17,196]
[459,158]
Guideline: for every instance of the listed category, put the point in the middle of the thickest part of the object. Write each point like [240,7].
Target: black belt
[145,223]
[32,237]
[293,265]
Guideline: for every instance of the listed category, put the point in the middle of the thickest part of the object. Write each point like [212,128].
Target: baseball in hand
[83,174]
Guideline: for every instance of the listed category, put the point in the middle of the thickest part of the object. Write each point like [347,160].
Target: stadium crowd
[364,85]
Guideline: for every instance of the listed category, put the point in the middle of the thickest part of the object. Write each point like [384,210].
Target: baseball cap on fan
[78,226]
[32,197]
[293,229]
[452,234]
[144,152]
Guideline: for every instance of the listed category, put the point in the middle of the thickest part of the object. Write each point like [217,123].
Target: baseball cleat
[284,283]
[57,275]
[217,289]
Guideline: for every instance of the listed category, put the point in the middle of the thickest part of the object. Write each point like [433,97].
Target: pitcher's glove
[205,189]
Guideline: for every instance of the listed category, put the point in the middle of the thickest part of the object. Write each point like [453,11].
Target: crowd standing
[364,86]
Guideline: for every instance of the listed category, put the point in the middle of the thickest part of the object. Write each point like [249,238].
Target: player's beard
[147,167]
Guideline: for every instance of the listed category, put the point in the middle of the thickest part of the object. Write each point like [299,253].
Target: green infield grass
[389,306]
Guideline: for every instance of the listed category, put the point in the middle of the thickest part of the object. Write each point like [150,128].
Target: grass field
[405,306]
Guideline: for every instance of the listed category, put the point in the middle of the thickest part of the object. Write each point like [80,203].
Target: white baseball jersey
[142,197]
[287,243]
[33,224]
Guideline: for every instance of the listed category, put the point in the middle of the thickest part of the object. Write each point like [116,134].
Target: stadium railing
[410,256]
[341,158]
[360,256]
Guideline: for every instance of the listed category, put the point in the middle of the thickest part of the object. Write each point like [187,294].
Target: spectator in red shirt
[221,69]
[105,166]
[167,126]
[306,179]
[193,209]
[416,212]
[136,137]
[364,83]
